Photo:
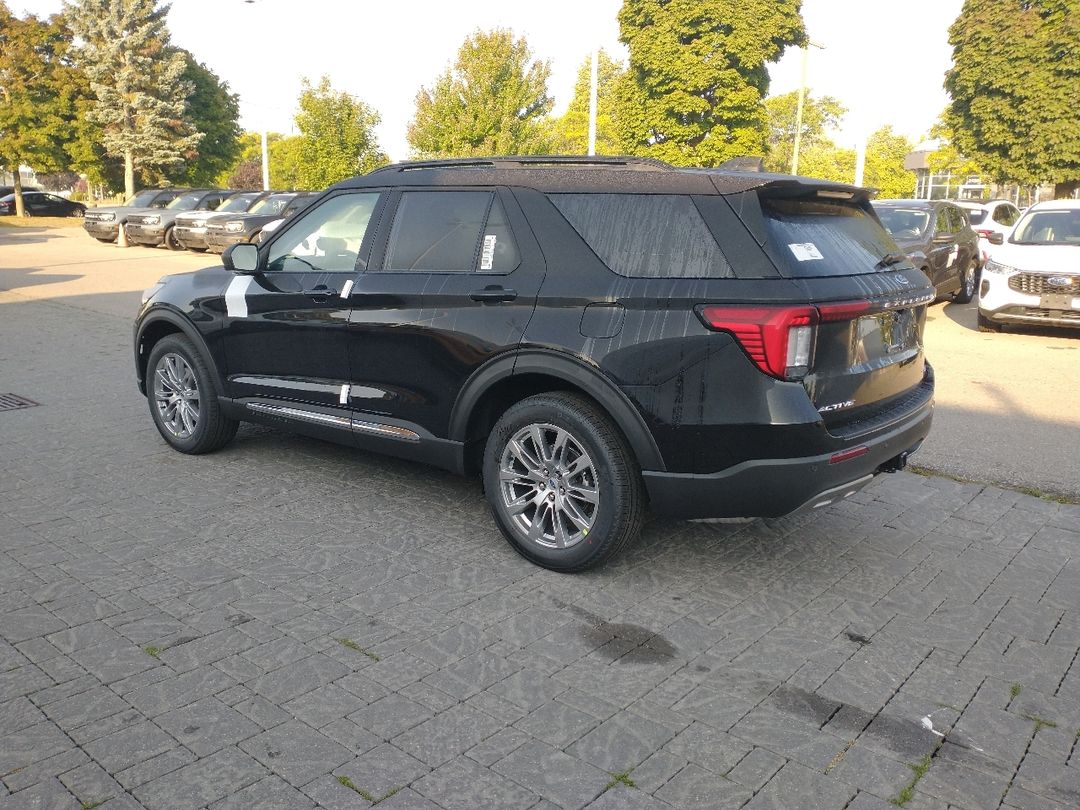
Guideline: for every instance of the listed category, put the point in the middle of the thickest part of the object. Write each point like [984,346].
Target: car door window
[451,232]
[942,225]
[956,220]
[327,238]
[1004,215]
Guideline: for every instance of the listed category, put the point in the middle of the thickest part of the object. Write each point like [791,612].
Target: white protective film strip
[236,297]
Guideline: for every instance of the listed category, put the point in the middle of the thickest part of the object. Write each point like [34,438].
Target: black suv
[591,336]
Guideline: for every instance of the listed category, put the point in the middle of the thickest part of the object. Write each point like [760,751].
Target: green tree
[884,169]
[1013,83]
[819,115]
[698,74]
[137,81]
[492,101]
[38,95]
[337,136]
[284,160]
[212,110]
[571,131]
[826,161]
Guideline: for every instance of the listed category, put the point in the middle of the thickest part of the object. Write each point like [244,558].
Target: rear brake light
[780,340]
[847,455]
[983,232]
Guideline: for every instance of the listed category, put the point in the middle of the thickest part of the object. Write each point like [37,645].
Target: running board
[329,420]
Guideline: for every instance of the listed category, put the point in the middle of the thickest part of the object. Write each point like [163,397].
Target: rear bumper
[776,487]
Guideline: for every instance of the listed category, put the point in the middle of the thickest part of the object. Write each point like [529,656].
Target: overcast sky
[883,59]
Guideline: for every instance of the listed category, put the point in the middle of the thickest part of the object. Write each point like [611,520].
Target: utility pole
[799,107]
[265,161]
[593,82]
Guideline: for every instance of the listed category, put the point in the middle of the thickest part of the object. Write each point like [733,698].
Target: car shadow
[967,316]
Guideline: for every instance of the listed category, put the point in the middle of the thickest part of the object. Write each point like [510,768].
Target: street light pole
[800,105]
[265,161]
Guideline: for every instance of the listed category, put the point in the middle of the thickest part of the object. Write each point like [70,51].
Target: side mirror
[996,238]
[241,258]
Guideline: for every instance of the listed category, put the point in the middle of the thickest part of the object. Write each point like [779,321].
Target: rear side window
[1005,215]
[816,238]
[645,235]
[451,231]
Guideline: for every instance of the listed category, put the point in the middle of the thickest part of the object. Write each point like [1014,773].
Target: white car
[1034,276]
[986,218]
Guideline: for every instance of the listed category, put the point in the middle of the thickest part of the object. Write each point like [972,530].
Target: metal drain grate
[13,402]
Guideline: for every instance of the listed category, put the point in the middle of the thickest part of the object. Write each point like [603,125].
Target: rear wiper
[889,259]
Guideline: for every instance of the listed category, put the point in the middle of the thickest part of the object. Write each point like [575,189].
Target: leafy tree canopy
[698,74]
[137,81]
[215,112]
[884,169]
[38,93]
[492,101]
[1014,87]
[571,131]
[337,136]
[819,116]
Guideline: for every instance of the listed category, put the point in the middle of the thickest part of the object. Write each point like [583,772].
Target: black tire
[618,512]
[987,325]
[968,280]
[212,429]
[105,239]
[198,249]
[171,242]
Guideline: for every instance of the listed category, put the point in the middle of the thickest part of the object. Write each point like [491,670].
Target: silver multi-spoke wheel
[549,486]
[176,395]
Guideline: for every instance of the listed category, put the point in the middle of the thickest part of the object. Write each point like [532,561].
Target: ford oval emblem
[1059,281]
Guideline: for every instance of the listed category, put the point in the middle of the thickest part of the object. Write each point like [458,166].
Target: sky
[884,60]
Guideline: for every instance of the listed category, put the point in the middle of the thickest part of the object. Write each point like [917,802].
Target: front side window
[239,203]
[328,238]
[185,202]
[450,232]
[645,235]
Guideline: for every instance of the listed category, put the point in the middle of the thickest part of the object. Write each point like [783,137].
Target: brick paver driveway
[289,624]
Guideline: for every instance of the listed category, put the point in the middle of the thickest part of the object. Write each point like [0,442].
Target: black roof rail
[528,162]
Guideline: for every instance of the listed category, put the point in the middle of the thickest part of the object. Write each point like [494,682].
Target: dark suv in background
[938,238]
[223,231]
[590,336]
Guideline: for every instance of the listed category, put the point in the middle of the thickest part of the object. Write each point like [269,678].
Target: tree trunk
[20,209]
[1066,190]
[129,175]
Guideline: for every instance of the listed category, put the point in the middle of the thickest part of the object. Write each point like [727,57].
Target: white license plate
[1056,301]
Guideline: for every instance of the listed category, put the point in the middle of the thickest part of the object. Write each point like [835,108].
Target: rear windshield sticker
[805,251]
[487,255]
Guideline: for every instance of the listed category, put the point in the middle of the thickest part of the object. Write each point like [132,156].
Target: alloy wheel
[549,486]
[176,395]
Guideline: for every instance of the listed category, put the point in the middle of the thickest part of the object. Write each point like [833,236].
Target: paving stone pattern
[291,624]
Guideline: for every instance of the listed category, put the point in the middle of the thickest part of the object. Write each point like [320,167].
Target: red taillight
[983,232]
[780,340]
[847,455]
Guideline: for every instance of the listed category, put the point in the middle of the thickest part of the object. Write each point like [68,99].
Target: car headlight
[106,217]
[234,227]
[151,220]
[997,268]
[153,289]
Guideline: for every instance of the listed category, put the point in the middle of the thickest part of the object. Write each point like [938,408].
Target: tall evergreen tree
[38,95]
[572,129]
[337,136]
[492,101]
[698,74]
[1015,84]
[137,81]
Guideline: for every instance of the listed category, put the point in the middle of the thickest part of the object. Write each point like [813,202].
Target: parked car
[153,229]
[936,236]
[986,218]
[104,223]
[42,204]
[189,229]
[223,231]
[1033,277]
[590,336]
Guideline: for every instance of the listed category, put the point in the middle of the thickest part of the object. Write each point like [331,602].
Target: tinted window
[903,223]
[1004,215]
[827,238]
[241,202]
[976,217]
[327,238]
[944,222]
[645,235]
[142,199]
[438,231]
[957,219]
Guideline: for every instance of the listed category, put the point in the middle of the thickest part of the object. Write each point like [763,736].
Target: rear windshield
[815,238]
[645,235]
[975,217]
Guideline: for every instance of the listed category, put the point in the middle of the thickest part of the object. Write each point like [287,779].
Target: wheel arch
[511,378]
[160,323]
